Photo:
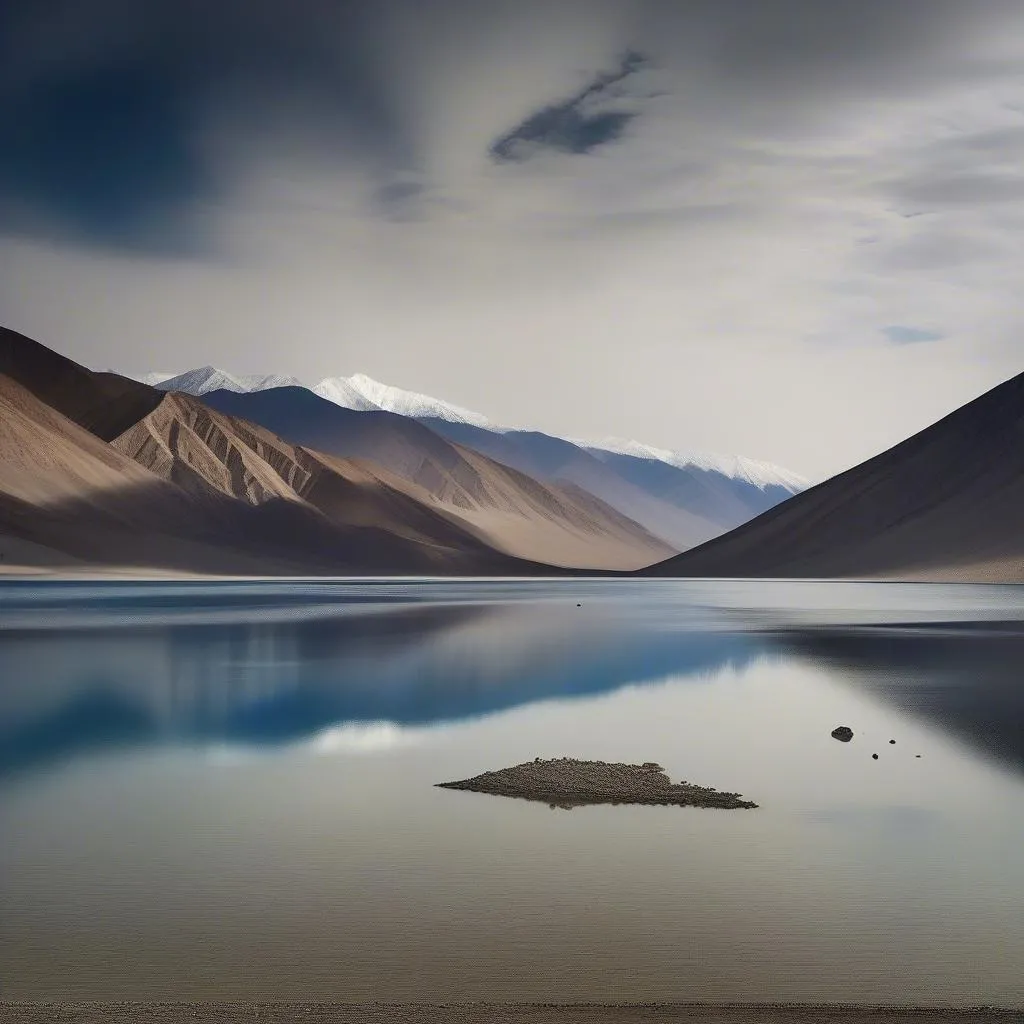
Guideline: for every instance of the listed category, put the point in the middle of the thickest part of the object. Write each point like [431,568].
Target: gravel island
[567,783]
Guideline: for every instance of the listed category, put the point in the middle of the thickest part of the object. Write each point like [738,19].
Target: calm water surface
[221,791]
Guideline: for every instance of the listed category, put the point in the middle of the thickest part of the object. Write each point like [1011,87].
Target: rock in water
[566,782]
[843,733]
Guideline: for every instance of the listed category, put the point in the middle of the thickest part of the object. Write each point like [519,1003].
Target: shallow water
[221,791]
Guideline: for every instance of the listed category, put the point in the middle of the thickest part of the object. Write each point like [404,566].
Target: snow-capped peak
[364,393]
[205,379]
[736,467]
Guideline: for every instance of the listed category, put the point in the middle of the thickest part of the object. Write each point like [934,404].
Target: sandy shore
[484,1013]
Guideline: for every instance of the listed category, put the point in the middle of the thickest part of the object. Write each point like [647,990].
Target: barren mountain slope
[104,403]
[561,524]
[948,503]
[197,448]
[184,488]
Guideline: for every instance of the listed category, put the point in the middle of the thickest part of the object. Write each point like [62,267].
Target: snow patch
[205,379]
[363,393]
[736,467]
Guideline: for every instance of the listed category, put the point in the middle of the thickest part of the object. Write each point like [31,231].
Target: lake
[220,791]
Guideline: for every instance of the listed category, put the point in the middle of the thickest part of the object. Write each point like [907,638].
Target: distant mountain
[948,503]
[97,469]
[763,475]
[683,500]
[363,393]
[559,524]
[686,505]
[208,378]
[359,392]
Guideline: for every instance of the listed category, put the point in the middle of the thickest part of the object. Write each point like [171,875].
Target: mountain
[558,524]
[100,470]
[200,450]
[762,475]
[686,505]
[363,393]
[105,404]
[683,500]
[208,378]
[358,392]
[946,504]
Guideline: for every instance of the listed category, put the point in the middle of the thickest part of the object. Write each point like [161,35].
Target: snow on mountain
[208,378]
[363,393]
[736,467]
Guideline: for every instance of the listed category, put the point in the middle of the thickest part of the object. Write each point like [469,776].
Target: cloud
[103,108]
[591,118]
[104,154]
[489,203]
[900,335]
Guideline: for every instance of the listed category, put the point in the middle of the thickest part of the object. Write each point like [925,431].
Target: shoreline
[493,1013]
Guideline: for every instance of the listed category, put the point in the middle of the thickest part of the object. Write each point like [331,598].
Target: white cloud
[719,277]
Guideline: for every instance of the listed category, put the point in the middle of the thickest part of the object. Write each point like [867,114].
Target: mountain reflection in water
[278,674]
[226,791]
[283,682]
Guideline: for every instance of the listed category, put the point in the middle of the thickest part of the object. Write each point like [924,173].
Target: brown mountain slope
[68,497]
[104,403]
[946,504]
[181,491]
[559,524]
[45,457]
[185,442]
[66,491]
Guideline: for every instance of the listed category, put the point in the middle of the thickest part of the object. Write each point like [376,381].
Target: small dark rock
[917,755]
[843,733]
[874,757]
[893,742]
[579,606]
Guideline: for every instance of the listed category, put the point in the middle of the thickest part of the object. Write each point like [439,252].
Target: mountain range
[682,500]
[215,473]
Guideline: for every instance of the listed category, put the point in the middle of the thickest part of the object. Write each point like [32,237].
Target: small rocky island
[567,783]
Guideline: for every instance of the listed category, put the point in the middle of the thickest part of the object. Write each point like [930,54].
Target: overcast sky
[788,229]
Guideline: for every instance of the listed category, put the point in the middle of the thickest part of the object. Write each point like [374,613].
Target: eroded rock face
[567,783]
[843,733]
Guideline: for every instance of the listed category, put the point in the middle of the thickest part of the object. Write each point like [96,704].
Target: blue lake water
[226,790]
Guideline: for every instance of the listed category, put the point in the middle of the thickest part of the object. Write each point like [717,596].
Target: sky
[790,230]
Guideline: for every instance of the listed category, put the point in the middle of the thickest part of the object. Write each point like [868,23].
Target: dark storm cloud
[577,125]
[102,143]
[103,102]
[105,153]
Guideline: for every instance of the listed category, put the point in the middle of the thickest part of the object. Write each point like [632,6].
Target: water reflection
[75,691]
[966,680]
[171,829]
[259,672]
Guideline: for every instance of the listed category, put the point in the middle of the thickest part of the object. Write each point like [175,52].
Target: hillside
[513,512]
[946,504]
